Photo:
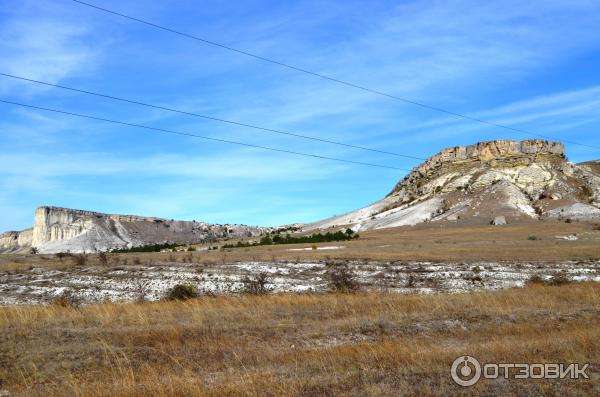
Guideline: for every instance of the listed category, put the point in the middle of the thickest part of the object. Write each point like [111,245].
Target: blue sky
[531,65]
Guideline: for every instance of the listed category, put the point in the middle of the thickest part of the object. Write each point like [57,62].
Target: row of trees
[147,248]
[287,239]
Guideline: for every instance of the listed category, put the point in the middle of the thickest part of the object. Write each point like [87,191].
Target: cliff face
[492,152]
[16,241]
[525,180]
[61,229]
[56,224]
[51,224]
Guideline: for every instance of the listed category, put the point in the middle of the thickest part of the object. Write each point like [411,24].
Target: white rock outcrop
[496,180]
[576,212]
[66,230]
[499,221]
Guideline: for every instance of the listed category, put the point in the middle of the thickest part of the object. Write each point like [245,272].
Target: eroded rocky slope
[66,230]
[499,181]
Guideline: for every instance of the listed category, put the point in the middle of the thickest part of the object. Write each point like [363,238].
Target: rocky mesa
[488,182]
[496,182]
[58,229]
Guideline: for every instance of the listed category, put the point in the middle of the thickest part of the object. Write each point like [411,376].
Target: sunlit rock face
[67,230]
[517,180]
[493,153]
[14,241]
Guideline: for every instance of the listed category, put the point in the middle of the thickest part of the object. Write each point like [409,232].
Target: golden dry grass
[299,345]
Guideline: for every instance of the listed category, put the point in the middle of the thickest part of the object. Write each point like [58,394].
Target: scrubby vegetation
[66,299]
[285,229]
[341,279]
[288,239]
[556,280]
[256,285]
[182,292]
[147,248]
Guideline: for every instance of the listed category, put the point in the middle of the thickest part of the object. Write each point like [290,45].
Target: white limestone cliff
[67,230]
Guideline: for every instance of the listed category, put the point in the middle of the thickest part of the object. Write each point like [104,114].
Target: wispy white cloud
[43,48]
[465,55]
[554,114]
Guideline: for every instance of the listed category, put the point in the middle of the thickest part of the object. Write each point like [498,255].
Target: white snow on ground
[126,283]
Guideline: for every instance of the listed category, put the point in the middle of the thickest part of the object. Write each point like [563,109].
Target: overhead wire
[187,134]
[327,77]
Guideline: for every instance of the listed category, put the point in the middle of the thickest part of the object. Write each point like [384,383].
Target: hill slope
[487,181]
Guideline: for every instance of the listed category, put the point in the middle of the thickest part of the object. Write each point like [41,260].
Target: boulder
[499,221]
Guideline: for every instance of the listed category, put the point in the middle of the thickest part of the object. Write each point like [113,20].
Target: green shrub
[147,248]
[347,235]
[182,292]
[533,238]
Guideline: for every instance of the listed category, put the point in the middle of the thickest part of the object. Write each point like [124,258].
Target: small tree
[256,285]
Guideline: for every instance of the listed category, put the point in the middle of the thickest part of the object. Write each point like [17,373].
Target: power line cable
[241,124]
[326,77]
[162,130]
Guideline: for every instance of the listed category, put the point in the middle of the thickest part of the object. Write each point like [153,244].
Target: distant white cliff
[58,229]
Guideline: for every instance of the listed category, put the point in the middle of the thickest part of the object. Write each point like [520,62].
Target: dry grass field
[300,344]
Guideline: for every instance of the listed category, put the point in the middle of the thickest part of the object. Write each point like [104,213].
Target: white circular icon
[465,371]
